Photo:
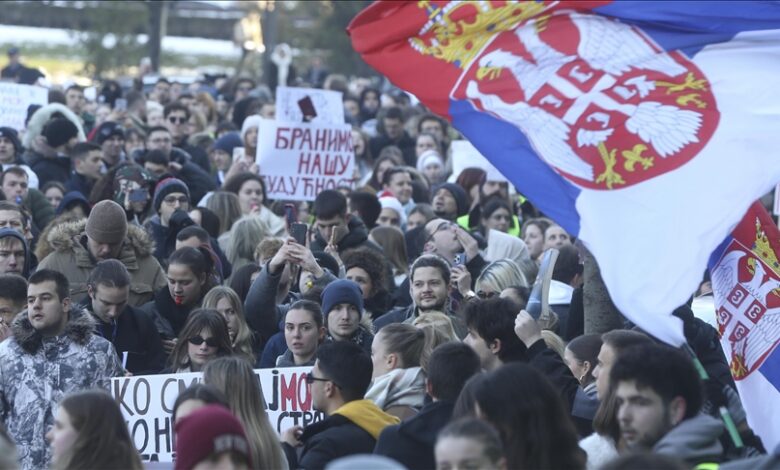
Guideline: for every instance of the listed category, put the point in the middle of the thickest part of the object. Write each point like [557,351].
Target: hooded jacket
[72,258]
[37,372]
[10,232]
[351,429]
[411,443]
[694,440]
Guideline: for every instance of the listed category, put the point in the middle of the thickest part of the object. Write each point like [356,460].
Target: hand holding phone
[299,231]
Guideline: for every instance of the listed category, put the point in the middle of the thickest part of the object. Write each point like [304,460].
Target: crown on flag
[764,251]
[456,33]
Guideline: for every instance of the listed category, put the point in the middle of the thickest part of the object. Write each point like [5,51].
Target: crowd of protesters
[132,242]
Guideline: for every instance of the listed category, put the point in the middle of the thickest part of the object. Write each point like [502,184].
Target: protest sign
[14,101]
[292,102]
[465,155]
[300,160]
[147,402]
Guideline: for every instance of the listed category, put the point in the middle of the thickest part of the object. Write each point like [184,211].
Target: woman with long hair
[536,430]
[391,239]
[225,204]
[225,301]
[251,192]
[90,432]
[246,234]
[533,235]
[367,268]
[499,275]
[304,331]
[235,378]
[204,338]
[581,355]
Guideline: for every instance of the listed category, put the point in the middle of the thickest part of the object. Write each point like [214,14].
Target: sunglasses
[177,120]
[310,379]
[198,340]
[486,295]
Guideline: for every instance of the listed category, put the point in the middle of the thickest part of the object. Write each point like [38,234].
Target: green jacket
[42,212]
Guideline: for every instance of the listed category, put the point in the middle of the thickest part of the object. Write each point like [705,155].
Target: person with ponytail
[191,274]
[398,381]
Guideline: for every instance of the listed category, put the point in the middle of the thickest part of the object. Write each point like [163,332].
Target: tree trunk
[158,19]
[601,315]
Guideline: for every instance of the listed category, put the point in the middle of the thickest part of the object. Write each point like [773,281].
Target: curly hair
[369,261]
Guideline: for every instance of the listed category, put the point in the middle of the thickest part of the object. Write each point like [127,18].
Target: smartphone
[139,195]
[120,104]
[298,231]
[460,259]
[307,109]
[238,153]
[290,215]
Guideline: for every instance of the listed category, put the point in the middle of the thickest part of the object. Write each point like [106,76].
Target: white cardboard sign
[14,101]
[328,105]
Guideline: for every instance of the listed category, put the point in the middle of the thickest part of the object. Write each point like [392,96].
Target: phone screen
[298,232]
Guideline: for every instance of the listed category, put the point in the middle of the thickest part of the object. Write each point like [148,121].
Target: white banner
[465,155]
[328,106]
[147,405]
[14,101]
[299,161]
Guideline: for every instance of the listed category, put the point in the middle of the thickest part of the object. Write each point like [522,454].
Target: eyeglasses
[439,228]
[486,295]
[198,340]
[310,379]
[171,200]
[177,119]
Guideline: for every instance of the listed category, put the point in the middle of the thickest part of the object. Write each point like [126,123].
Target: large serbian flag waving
[646,129]
[746,284]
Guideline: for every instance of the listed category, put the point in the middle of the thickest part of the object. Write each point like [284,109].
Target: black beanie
[11,134]
[460,197]
[59,131]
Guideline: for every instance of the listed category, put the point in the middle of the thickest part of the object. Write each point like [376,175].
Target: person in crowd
[364,159]
[53,351]
[11,154]
[397,182]
[53,191]
[441,323]
[425,142]
[212,437]
[194,397]
[195,236]
[447,239]
[105,234]
[131,188]
[87,165]
[429,280]
[203,338]
[499,275]
[412,442]
[207,219]
[567,276]
[227,208]
[369,104]
[304,331]
[89,431]
[190,276]
[225,301]
[246,234]
[390,128]
[242,280]
[177,117]
[48,157]
[392,214]
[398,381]
[14,184]
[128,328]
[450,201]
[391,240]
[581,355]
[235,378]
[176,162]
[250,189]
[420,215]
[659,399]
[390,157]
[345,318]
[221,155]
[471,180]
[249,134]
[339,381]
[110,136]
[366,206]
[555,237]
[15,256]
[430,163]
[367,268]
[536,431]
[334,226]
[496,214]
[13,300]
[469,443]
[533,235]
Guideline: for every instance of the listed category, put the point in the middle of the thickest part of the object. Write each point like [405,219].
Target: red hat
[208,430]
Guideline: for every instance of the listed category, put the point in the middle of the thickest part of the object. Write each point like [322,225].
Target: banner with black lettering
[300,160]
[147,405]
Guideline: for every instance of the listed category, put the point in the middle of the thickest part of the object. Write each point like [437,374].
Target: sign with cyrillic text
[299,161]
[147,405]
[14,101]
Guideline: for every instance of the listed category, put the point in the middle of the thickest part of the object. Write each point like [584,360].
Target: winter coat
[48,168]
[41,210]
[599,449]
[411,443]
[72,258]
[133,335]
[410,313]
[36,373]
[403,389]
[168,317]
[80,183]
[41,117]
[356,238]
[694,440]
[352,429]
[287,360]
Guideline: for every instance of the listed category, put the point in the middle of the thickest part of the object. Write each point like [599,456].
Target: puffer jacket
[72,258]
[36,373]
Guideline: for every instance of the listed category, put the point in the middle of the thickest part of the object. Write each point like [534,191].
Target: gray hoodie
[694,440]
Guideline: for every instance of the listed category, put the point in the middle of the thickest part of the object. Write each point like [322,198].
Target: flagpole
[725,416]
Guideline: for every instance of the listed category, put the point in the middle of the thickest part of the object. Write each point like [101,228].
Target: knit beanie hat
[228,142]
[428,157]
[107,222]
[209,430]
[107,130]
[11,134]
[459,194]
[59,131]
[166,187]
[341,291]
[390,202]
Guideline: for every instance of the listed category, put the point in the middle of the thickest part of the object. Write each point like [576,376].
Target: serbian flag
[746,284]
[645,129]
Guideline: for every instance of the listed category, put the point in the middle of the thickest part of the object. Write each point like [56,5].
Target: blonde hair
[242,345]
[235,378]
[413,345]
[225,204]
[439,322]
[501,274]
[554,342]
[246,234]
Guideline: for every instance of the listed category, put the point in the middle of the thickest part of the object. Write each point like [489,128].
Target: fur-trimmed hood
[65,236]
[42,116]
[79,329]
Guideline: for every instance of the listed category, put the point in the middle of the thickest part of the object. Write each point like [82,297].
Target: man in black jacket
[130,330]
[411,443]
[335,226]
[338,381]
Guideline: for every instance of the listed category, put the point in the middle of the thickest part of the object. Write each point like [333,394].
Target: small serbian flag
[746,284]
[645,129]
